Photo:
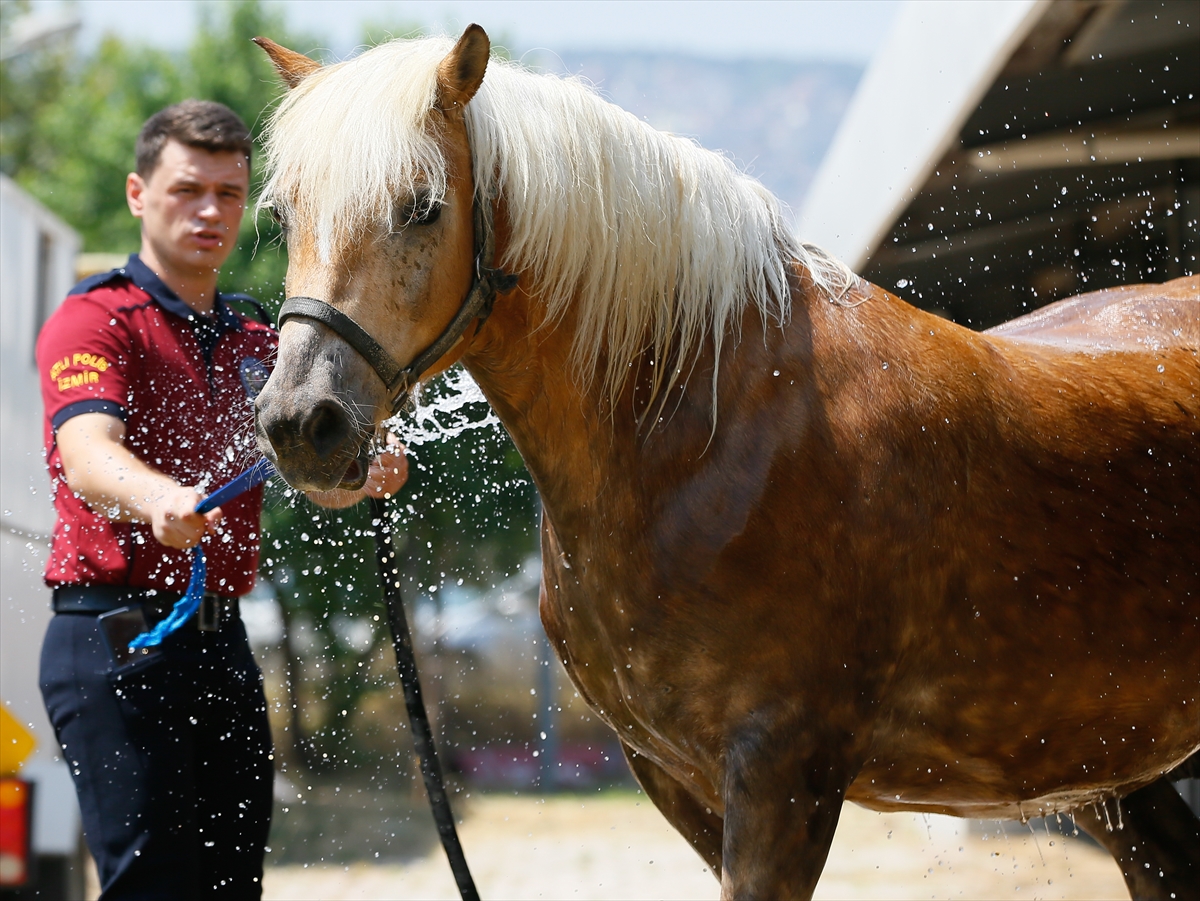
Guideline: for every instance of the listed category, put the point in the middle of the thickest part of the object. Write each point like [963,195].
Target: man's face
[191,206]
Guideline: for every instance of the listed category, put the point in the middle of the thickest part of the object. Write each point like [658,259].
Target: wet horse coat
[834,549]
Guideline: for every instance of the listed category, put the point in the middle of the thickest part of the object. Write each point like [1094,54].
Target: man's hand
[389,471]
[176,523]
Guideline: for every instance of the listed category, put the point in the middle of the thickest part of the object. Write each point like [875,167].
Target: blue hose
[185,608]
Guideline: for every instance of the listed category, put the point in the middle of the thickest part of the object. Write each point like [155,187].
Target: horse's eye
[427,214]
[277,215]
[421,210]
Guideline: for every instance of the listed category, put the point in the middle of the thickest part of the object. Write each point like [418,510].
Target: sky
[845,30]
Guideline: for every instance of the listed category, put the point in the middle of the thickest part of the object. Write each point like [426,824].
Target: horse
[802,543]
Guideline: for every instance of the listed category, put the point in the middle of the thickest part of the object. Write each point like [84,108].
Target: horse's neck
[603,463]
[523,368]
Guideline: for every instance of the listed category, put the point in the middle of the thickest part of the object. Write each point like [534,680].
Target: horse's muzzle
[314,448]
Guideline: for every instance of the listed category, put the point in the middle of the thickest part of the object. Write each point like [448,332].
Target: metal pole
[406,665]
[548,747]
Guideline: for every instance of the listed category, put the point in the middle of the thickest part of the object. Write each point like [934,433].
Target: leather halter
[486,283]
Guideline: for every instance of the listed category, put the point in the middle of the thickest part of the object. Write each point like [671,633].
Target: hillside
[775,118]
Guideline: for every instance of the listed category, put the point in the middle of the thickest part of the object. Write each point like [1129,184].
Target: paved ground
[615,845]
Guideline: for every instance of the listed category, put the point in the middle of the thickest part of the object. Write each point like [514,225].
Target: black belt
[215,609]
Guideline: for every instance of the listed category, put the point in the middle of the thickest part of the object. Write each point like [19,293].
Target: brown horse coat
[926,568]
[906,564]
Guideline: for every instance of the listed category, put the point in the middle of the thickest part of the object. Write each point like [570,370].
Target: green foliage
[28,83]
[470,508]
[467,515]
[82,150]
[69,123]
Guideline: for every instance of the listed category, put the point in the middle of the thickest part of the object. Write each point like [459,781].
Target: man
[148,378]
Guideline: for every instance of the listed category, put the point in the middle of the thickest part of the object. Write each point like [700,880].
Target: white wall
[26,516]
[23,220]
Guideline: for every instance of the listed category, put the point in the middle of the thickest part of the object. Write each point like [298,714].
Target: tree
[69,122]
[29,82]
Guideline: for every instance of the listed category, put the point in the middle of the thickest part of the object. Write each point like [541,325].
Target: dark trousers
[171,757]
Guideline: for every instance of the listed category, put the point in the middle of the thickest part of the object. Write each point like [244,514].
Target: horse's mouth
[355,475]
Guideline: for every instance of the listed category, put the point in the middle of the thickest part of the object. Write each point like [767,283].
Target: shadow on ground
[329,820]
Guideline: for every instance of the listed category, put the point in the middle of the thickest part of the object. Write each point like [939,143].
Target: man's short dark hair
[196,123]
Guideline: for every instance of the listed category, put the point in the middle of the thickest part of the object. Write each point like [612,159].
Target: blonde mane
[654,242]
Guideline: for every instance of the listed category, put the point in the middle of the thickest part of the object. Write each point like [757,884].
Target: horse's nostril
[277,433]
[326,428]
[280,431]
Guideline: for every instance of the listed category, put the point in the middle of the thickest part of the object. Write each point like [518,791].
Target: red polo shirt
[124,344]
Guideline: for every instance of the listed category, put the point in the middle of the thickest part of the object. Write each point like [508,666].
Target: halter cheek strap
[486,283]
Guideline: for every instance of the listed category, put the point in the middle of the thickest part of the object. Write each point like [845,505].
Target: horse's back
[1133,317]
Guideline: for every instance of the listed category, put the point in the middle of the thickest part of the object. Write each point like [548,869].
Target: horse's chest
[623,667]
[588,639]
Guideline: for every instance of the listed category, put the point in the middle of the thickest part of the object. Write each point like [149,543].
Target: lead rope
[406,663]
[418,718]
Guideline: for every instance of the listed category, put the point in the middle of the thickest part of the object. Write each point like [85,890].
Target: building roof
[1002,155]
[936,65]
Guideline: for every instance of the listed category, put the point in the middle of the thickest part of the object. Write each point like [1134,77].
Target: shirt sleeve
[83,358]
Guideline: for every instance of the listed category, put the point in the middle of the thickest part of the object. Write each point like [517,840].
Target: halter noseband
[486,283]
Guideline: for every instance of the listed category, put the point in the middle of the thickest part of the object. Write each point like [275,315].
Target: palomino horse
[802,543]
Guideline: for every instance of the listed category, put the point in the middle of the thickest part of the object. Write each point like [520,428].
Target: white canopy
[927,79]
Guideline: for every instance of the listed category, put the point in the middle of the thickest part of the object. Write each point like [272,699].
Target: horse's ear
[460,74]
[292,66]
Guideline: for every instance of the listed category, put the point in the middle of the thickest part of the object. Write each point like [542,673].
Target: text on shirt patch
[97,364]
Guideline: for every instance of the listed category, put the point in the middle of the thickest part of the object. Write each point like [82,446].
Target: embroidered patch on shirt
[254,376]
[92,365]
